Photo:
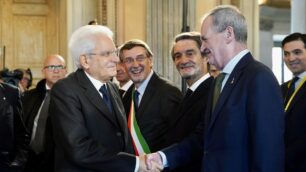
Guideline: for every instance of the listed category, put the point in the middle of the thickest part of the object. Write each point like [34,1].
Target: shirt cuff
[137,164]
[164,158]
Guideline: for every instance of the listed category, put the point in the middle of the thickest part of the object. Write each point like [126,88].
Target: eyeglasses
[54,67]
[105,53]
[130,60]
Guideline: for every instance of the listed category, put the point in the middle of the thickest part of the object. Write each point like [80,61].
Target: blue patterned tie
[136,99]
[106,97]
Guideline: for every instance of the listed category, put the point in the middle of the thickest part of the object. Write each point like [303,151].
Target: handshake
[150,162]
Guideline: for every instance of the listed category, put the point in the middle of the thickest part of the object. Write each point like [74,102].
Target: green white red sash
[139,143]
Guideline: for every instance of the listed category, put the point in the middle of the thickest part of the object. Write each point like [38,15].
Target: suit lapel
[231,82]
[94,97]
[148,94]
[300,94]
[118,109]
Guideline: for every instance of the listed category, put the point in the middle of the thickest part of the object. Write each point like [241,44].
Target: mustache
[136,69]
[188,64]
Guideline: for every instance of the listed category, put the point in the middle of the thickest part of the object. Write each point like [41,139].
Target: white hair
[82,40]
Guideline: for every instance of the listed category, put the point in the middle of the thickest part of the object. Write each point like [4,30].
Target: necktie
[106,97]
[121,92]
[290,89]
[136,99]
[188,93]
[38,141]
[217,88]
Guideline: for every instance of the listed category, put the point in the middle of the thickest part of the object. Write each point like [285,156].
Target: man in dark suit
[41,154]
[294,94]
[243,130]
[157,98]
[124,80]
[192,66]
[88,119]
[13,134]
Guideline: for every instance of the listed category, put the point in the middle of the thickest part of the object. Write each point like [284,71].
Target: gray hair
[228,15]
[82,40]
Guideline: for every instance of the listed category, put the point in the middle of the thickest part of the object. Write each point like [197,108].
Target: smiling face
[295,56]
[137,63]
[99,63]
[213,44]
[188,60]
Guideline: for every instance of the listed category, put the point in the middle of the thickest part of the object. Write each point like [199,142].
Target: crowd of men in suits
[240,121]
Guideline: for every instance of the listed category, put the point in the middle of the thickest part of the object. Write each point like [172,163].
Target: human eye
[128,60]
[190,53]
[297,52]
[140,58]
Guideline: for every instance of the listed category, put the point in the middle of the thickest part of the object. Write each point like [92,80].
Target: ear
[84,62]
[229,34]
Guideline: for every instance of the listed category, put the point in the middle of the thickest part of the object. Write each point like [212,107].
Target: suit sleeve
[72,137]
[266,123]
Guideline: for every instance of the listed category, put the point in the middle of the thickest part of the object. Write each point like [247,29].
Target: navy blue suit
[244,133]
[295,131]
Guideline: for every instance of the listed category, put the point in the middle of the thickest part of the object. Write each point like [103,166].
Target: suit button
[118,134]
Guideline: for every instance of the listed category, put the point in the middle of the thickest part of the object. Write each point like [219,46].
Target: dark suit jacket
[188,116]
[88,137]
[244,133]
[14,138]
[295,131]
[156,110]
[32,101]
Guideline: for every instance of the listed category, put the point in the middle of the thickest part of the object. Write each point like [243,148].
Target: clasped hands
[150,162]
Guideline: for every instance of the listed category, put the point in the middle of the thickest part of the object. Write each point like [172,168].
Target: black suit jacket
[245,131]
[88,137]
[156,110]
[295,130]
[32,101]
[14,138]
[189,114]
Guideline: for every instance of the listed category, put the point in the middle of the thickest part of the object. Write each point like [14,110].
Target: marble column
[298,13]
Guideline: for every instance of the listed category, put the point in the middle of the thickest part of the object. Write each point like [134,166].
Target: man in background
[294,94]
[14,138]
[192,66]
[123,78]
[35,103]
[151,109]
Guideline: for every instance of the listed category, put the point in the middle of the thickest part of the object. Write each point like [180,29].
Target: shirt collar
[229,67]
[141,89]
[195,85]
[97,84]
[127,85]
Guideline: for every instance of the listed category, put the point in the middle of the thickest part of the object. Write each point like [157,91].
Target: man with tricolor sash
[294,93]
[153,99]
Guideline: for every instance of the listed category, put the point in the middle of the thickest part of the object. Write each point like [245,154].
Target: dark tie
[188,93]
[121,92]
[37,144]
[217,88]
[290,89]
[136,99]
[106,97]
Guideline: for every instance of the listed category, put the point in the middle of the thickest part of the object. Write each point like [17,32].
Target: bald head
[54,69]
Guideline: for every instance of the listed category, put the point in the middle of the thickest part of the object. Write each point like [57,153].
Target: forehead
[103,42]
[54,60]
[206,25]
[135,51]
[185,44]
[297,44]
